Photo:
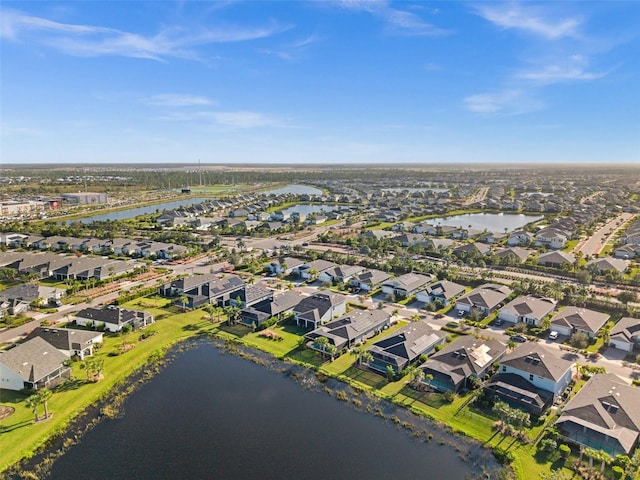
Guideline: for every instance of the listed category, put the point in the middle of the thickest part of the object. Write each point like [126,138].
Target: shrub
[618,471]
[564,450]
[505,457]
[547,445]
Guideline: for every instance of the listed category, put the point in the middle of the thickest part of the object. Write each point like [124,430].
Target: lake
[493,222]
[294,190]
[214,415]
[306,209]
[134,212]
[412,190]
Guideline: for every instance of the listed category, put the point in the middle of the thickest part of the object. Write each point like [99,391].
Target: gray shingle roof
[533,358]
[33,359]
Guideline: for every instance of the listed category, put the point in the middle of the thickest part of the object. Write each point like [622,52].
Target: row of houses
[42,359]
[63,267]
[117,246]
[631,242]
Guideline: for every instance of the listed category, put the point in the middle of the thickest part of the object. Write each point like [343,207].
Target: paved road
[594,244]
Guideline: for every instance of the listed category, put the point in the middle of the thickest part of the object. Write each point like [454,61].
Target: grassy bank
[20,436]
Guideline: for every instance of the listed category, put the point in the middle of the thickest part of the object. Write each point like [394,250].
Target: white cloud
[506,102]
[530,19]
[176,100]
[399,22]
[93,41]
[238,119]
[571,69]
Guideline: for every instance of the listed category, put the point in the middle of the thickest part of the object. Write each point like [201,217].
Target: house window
[504,368]
[531,377]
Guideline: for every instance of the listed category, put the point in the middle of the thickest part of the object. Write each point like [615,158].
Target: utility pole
[200,171]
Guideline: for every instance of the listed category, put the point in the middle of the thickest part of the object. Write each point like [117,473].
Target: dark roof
[626,329]
[533,358]
[486,296]
[581,318]
[33,359]
[515,388]
[608,405]
[226,284]
[320,302]
[445,289]
[111,315]
[187,283]
[465,356]
[409,342]
[256,292]
[64,338]
[352,326]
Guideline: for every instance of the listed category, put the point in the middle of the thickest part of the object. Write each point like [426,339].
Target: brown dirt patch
[6,411]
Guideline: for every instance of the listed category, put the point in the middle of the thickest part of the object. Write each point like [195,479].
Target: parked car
[518,338]
[553,335]
[498,322]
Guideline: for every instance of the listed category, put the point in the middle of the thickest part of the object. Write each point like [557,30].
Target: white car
[553,335]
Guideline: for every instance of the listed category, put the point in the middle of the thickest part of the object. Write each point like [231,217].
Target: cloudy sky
[319,81]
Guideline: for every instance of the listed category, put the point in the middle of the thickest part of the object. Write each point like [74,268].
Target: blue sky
[319,82]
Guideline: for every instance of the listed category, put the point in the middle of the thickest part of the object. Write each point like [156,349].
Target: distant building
[85,198]
[11,208]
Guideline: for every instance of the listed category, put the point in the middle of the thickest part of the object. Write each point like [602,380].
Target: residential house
[284,266]
[319,308]
[603,415]
[408,239]
[607,264]
[441,292]
[406,285]
[32,365]
[531,377]
[556,259]
[450,368]
[306,271]
[528,309]
[69,341]
[513,255]
[551,238]
[404,347]
[201,289]
[113,318]
[573,319]
[626,252]
[258,313]
[369,279]
[342,273]
[485,299]
[29,292]
[474,249]
[519,238]
[351,328]
[625,334]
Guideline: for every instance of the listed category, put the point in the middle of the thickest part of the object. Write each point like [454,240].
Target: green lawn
[20,436]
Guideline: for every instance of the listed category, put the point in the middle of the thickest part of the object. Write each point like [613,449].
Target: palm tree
[32,403]
[417,376]
[365,357]
[321,344]
[211,313]
[43,397]
[233,313]
[183,301]
[391,373]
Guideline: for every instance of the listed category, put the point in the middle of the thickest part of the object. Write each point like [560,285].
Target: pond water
[412,190]
[134,212]
[306,209]
[213,415]
[295,190]
[493,222]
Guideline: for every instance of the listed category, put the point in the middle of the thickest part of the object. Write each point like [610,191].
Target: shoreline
[420,427]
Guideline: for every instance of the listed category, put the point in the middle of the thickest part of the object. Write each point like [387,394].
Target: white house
[573,319]
[441,292]
[528,309]
[33,364]
[485,298]
[625,334]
